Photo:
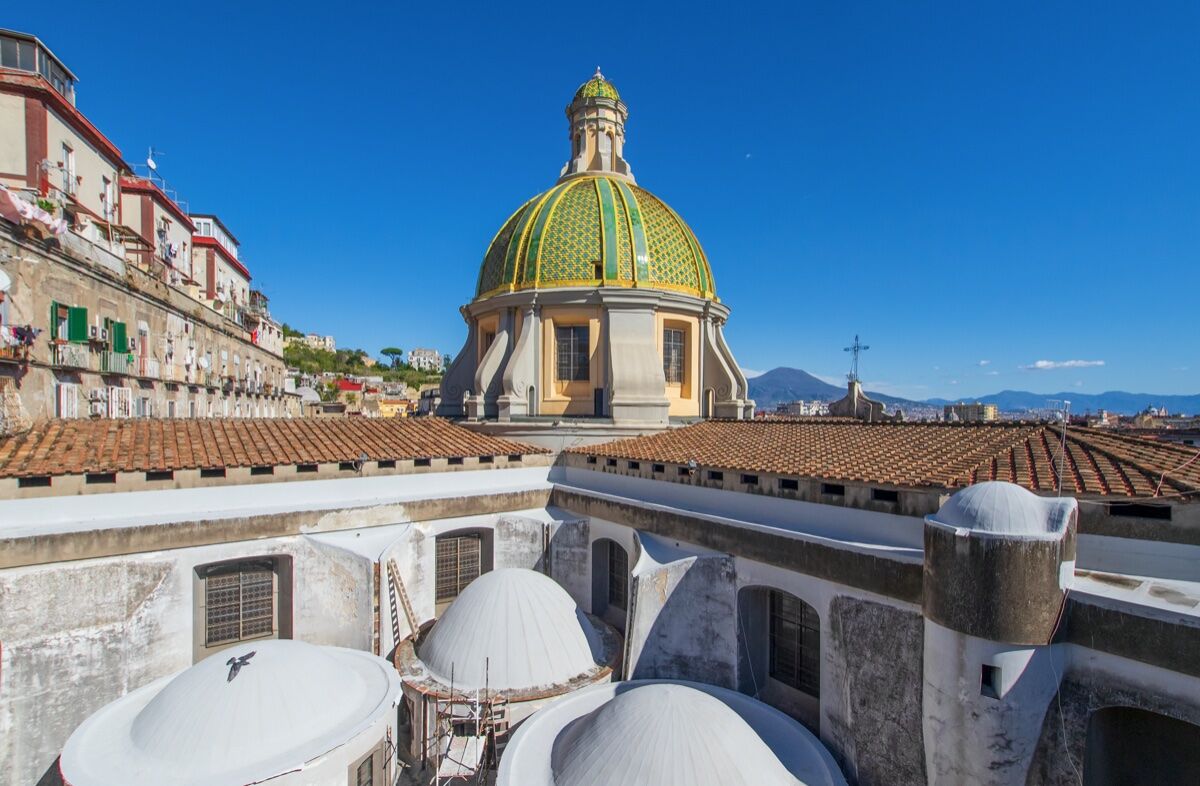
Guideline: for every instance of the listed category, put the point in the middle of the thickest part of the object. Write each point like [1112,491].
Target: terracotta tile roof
[925,455]
[68,447]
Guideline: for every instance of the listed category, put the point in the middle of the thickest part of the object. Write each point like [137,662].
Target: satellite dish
[150,162]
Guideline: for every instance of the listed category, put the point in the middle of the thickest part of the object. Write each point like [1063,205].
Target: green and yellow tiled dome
[598,87]
[595,231]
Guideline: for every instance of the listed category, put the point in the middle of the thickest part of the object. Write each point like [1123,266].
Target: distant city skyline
[994,198]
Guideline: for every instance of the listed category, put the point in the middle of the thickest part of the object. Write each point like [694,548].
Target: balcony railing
[14,354]
[147,368]
[116,363]
[71,356]
[211,379]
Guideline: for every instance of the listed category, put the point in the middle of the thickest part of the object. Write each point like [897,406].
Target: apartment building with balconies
[116,303]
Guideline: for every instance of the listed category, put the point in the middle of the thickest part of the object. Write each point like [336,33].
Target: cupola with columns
[597,131]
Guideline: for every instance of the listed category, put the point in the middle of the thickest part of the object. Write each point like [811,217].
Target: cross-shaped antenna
[856,349]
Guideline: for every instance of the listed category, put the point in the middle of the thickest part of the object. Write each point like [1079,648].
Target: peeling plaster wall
[519,542]
[682,606]
[871,685]
[570,563]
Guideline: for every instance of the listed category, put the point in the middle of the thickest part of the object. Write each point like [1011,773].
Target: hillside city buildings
[675,593]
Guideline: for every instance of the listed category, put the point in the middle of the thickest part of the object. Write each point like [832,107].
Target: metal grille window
[457,565]
[673,345]
[618,570]
[365,775]
[239,603]
[795,643]
[571,353]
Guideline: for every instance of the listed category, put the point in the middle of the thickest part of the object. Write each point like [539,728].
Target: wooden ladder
[396,587]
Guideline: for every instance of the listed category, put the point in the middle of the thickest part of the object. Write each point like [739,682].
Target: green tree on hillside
[395,354]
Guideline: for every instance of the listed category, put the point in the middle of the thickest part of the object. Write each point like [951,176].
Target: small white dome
[1004,508]
[512,629]
[668,735]
[289,703]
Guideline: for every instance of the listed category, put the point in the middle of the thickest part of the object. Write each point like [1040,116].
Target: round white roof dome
[1003,508]
[668,733]
[288,703]
[512,629]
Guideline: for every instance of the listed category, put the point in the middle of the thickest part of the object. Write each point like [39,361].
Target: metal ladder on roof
[396,588]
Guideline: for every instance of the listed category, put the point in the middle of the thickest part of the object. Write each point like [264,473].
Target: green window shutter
[53,319]
[120,344]
[77,324]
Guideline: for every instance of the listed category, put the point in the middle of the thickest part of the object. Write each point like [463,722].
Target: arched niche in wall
[779,652]
[461,556]
[610,582]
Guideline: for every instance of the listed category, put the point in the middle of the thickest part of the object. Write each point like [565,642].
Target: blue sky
[978,189]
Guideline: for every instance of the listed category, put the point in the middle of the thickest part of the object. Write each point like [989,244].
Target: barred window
[673,346]
[239,602]
[618,570]
[572,347]
[458,561]
[795,643]
[365,775]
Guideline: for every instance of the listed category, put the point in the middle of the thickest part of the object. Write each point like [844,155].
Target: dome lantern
[597,118]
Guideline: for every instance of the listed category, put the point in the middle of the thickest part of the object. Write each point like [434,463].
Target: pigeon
[235,665]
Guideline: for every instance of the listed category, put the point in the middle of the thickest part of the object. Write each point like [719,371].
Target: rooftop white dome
[513,629]
[1004,508]
[289,703]
[666,733]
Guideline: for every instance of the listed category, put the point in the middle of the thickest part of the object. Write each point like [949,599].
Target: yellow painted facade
[684,397]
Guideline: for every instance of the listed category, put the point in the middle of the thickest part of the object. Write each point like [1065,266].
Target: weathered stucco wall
[683,605]
[570,563]
[520,542]
[873,722]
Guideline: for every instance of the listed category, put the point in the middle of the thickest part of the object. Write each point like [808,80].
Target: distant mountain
[783,384]
[1114,401]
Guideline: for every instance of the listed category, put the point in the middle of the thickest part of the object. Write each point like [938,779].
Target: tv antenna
[855,349]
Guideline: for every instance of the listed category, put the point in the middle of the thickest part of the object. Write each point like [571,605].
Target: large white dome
[290,703]
[665,733]
[1003,508]
[512,629]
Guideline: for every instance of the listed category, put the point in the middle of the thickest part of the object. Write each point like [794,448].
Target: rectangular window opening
[487,459]
[618,571]
[213,472]
[658,468]
[684,472]
[239,602]
[454,460]
[572,353]
[421,462]
[716,475]
[673,348]
[514,457]
[458,563]
[386,464]
[750,480]
[635,465]
[789,484]
[591,459]
[100,477]
[833,489]
[162,474]
[885,495]
[795,643]
[34,482]
[262,470]
[989,681]
[301,468]
[612,462]
[1141,511]
[348,466]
